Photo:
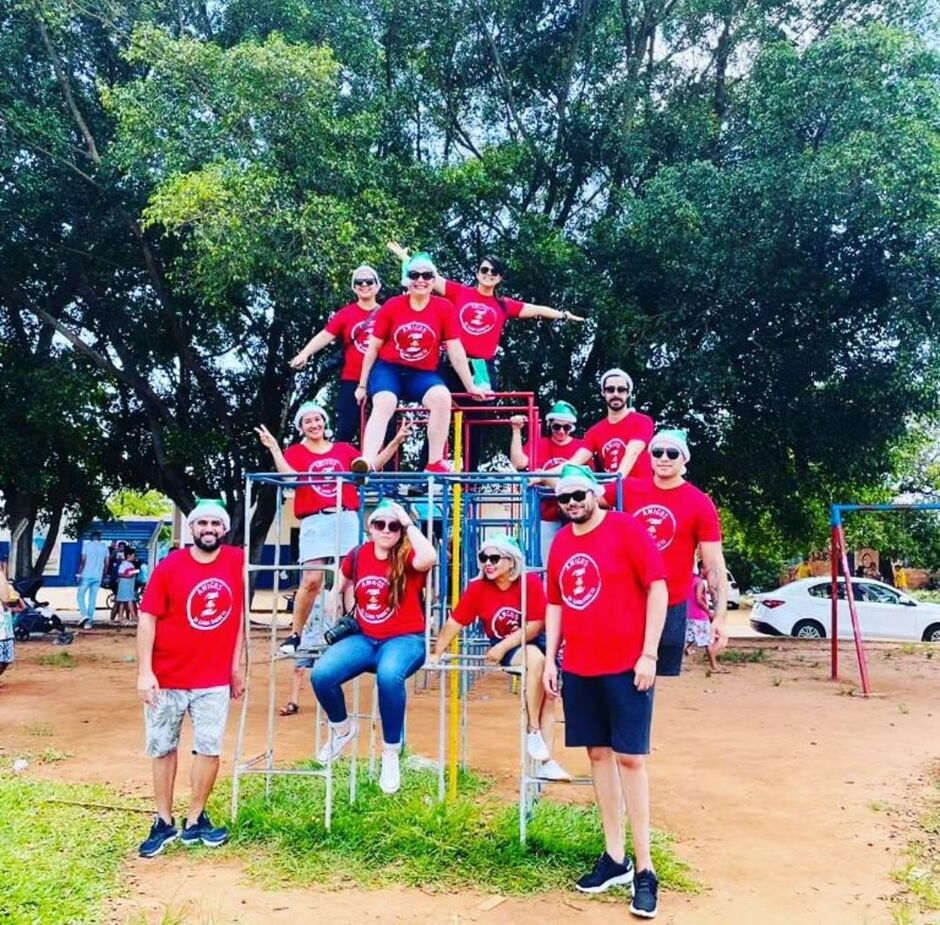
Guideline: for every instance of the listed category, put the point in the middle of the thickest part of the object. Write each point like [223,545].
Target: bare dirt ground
[770,777]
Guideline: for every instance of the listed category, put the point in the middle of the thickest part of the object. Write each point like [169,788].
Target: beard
[207,542]
[617,403]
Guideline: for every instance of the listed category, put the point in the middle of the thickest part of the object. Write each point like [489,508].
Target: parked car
[804,609]
[734,593]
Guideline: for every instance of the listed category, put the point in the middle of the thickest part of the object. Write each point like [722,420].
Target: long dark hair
[500,268]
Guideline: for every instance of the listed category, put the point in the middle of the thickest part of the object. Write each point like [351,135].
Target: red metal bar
[853,612]
[834,554]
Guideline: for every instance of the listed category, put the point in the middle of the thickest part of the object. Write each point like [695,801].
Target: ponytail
[397,571]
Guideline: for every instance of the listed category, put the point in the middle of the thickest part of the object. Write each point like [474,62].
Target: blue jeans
[393,660]
[87,597]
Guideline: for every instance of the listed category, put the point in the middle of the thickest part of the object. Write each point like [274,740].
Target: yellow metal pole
[453,735]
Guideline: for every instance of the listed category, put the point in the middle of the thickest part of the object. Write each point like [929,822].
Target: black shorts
[607,711]
[672,641]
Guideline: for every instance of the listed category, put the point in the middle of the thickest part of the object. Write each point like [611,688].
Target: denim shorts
[672,641]
[319,534]
[506,660]
[403,381]
[607,711]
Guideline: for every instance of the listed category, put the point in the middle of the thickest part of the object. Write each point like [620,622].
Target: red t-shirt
[316,495]
[678,519]
[500,611]
[352,325]
[198,607]
[608,442]
[551,454]
[373,613]
[480,318]
[601,580]
[414,339]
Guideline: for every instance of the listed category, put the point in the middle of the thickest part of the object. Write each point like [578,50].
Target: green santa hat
[210,507]
[576,478]
[562,412]
[675,438]
[312,407]
[506,545]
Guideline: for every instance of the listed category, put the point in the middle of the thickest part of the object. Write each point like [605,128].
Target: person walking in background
[351,325]
[92,567]
[699,631]
[618,442]
[550,453]
[189,653]
[607,599]
[382,581]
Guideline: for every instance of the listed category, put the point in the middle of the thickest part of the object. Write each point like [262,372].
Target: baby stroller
[36,616]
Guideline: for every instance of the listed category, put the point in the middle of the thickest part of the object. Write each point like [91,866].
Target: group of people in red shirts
[606,620]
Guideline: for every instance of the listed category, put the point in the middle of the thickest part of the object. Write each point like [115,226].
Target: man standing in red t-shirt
[680,518]
[617,443]
[189,650]
[607,599]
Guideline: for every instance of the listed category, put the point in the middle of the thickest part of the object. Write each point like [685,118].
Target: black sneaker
[290,645]
[161,834]
[202,831]
[607,873]
[645,887]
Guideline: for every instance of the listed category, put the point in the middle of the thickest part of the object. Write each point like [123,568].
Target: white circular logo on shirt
[554,461]
[209,604]
[360,334]
[372,589]
[506,620]
[327,488]
[477,318]
[414,341]
[580,581]
[660,522]
[612,452]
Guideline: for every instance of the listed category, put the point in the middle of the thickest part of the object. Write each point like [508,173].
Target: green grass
[411,839]
[60,659]
[59,862]
[741,656]
[919,875]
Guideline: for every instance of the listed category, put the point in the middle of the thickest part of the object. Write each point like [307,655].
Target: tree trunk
[20,507]
[52,533]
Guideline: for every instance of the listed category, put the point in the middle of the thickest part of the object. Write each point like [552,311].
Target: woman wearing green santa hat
[547,453]
[495,598]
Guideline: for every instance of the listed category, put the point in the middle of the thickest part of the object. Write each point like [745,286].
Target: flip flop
[290,709]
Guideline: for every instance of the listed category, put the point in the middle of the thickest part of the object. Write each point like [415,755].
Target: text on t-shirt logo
[580,581]
[477,318]
[660,522]
[553,462]
[414,341]
[325,488]
[612,452]
[373,590]
[506,620]
[209,604]
[360,334]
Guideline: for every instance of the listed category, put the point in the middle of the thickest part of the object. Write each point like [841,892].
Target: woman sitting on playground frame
[382,580]
[401,363]
[495,597]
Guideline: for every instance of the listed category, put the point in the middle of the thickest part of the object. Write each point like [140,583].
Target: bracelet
[655,658]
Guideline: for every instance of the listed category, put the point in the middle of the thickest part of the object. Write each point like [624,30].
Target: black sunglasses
[671,452]
[363,282]
[420,274]
[618,389]
[571,496]
[490,271]
[393,526]
[565,427]
[492,558]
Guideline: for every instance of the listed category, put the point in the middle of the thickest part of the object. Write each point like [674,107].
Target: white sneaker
[552,770]
[536,747]
[336,743]
[390,776]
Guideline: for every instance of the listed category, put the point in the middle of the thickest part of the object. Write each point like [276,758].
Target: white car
[734,593]
[804,609]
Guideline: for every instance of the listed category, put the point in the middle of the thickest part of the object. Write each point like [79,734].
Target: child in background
[8,597]
[699,628]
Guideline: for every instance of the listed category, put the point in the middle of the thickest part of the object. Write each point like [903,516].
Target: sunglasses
[567,428]
[492,558]
[670,452]
[393,526]
[489,271]
[421,274]
[616,389]
[363,282]
[567,496]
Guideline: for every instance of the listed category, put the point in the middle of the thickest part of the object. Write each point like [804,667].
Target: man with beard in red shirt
[681,519]
[617,443]
[189,651]
[607,599]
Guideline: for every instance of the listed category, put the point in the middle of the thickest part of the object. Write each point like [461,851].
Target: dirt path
[768,776]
